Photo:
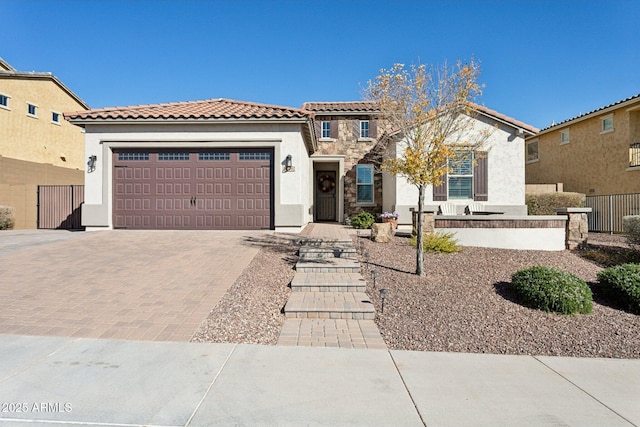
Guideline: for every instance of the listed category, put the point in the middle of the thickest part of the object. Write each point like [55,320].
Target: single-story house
[225,164]
[493,177]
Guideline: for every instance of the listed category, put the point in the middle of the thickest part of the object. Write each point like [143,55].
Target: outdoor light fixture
[373,273]
[366,258]
[288,165]
[92,162]
[361,244]
[383,295]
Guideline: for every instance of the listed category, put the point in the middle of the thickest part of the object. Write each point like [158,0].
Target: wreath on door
[326,183]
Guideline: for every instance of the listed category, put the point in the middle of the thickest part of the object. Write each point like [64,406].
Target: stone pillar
[428,222]
[577,228]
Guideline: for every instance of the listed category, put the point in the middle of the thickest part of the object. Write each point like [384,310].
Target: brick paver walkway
[332,316]
[124,284]
[343,333]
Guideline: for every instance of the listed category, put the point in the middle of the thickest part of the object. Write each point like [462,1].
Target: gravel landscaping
[250,311]
[462,305]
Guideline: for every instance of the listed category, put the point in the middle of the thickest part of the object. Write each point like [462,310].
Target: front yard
[462,305]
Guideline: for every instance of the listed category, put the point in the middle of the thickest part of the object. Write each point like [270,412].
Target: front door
[325,196]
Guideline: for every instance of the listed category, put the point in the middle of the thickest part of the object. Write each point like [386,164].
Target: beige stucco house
[597,153]
[227,164]
[37,146]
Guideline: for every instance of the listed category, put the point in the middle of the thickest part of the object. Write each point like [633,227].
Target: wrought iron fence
[607,211]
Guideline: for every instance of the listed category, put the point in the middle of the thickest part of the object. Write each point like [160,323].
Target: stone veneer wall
[577,228]
[354,151]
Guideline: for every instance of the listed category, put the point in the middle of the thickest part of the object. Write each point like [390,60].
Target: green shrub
[622,285]
[553,290]
[544,204]
[363,220]
[631,227]
[438,242]
[7,217]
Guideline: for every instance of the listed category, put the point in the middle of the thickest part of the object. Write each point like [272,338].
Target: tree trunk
[419,234]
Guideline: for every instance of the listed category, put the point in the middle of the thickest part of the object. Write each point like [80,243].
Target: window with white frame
[564,136]
[326,129]
[364,128]
[4,101]
[32,110]
[634,155]
[607,124]
[532,151]
[364,184]
[461,175]
[55,118]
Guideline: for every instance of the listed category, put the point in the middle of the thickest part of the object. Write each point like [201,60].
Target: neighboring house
[224,164]
[597,153]
[492,177]
[37,146]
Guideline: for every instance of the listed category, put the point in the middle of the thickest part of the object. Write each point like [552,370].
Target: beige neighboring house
[597,153]
[37,146]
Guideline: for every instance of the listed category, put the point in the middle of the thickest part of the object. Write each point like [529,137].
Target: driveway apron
[123,284]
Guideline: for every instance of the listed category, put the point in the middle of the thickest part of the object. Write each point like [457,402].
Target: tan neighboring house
[37,146]
[597,153]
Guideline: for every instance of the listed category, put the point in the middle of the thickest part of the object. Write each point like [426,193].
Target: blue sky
[542,61]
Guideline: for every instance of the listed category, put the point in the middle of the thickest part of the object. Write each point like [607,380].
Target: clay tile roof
[207,109]
[504,118]
[598,110]
[340,107]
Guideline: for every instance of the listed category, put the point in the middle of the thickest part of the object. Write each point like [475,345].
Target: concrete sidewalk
[47,381]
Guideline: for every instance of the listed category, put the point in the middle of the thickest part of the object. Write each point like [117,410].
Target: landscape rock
[382,233]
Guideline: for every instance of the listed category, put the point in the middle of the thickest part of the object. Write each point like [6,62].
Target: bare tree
[430,112]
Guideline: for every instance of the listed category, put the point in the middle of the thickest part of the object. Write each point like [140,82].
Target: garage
[186,189]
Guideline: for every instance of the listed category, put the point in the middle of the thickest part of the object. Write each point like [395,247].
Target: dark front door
[325,196]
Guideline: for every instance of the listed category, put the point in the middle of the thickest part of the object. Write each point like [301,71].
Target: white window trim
[602,119]
[59,122]
[325,138]
[473,178]
[5,107]
[35,116]
[526,152]
[373,187]
[364,138]
[565,132]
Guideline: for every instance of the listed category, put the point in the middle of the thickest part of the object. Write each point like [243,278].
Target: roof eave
[595,113]
[171,121]
[44,76]
[345,113]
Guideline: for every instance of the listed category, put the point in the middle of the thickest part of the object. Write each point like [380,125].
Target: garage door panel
[187,189]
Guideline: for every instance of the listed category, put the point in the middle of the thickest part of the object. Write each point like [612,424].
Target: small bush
[544,204]
[631,227]
[363,220]
[622,285]
[552,290]
[7,217]
[438,242]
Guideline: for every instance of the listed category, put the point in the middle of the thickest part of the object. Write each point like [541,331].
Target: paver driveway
[125,284]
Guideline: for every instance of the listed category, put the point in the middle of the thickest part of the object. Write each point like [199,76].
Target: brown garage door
[192,189]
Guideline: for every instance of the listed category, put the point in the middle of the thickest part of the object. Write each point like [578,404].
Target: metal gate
[59,206]
[608,210]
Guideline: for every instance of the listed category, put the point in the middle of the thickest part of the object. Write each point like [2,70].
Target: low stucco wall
[544,233]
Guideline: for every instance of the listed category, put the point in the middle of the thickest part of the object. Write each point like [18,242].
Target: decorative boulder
[382,233]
